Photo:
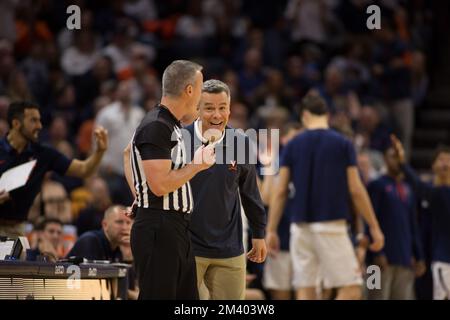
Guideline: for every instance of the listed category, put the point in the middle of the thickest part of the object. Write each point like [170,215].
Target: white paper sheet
[16,177]
[6,248]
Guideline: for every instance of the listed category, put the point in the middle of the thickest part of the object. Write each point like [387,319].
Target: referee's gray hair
[177,76]
[215,86]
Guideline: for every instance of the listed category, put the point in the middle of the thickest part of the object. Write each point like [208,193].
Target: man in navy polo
[216,224]
[401,260]
[20,146]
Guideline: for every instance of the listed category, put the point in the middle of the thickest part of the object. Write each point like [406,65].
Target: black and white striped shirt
[153,140]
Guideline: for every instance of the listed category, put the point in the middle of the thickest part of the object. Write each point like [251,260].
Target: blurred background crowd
[270,53]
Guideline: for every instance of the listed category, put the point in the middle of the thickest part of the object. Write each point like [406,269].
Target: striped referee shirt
[153,140]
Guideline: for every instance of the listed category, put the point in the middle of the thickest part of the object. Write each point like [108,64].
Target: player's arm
[265,188]
[277,204]
[363,206]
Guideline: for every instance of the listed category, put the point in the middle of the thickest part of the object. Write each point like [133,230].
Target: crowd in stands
[270,53]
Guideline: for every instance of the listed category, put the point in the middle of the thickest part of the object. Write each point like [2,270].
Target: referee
[160,177]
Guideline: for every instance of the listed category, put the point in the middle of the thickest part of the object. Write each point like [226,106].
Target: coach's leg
[225,278]
[202,266]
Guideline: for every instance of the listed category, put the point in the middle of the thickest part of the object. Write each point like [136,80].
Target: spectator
[401,260]
[104,244]
[91,217]
[371,132]
[120,119]
[7,17]
[18,87]
[274,91]
[251,77]
[392,72]
[308,20]
[193,30]
[81,56]
[435,198]
[49,245]
[24,120]
[51,202]
[120,50]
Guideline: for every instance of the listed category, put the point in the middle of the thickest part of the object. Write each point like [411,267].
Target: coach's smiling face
[214,111]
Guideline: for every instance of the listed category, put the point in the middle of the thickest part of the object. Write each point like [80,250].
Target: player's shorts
[323,250]
[278,272]
[441,280]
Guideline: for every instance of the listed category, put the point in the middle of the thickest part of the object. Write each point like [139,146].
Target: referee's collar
[163,107]
[198,133]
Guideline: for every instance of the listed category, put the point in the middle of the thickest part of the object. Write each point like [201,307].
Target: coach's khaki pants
[221,279]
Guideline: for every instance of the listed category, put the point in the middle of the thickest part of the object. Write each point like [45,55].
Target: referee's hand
[130,212]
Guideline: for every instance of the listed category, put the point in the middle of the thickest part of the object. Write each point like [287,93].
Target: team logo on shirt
[232,166]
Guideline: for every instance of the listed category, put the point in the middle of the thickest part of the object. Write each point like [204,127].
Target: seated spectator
[49,235]
[121,48]
[91,217]
[239,116]
[81,56]
[371,131]
[51,202]
[120,119]
[125,248]
[274,91]
[111,242]
[251,77]
[104,244]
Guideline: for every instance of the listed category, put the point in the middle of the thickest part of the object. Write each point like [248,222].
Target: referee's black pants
[162,251]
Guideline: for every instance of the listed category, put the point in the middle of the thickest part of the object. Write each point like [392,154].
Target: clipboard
[16,177]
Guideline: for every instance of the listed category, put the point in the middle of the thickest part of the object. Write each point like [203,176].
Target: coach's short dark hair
[16,110]
[440,149]
[215,86]
[315,104]
[177,76]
